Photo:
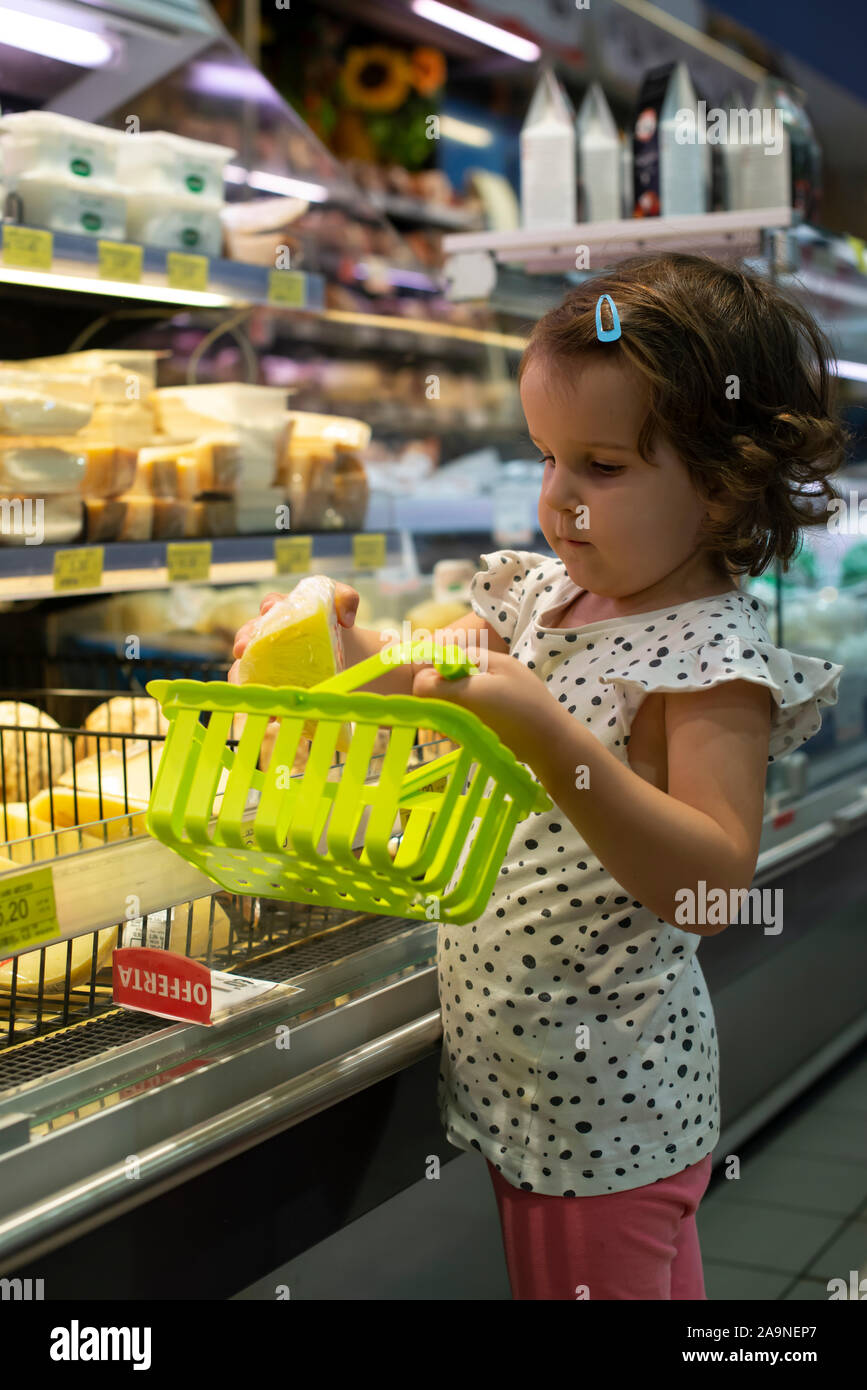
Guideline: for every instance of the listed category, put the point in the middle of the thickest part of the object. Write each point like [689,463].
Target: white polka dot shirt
[579,1042]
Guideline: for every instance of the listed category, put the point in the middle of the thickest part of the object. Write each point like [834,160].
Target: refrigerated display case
[130,1145]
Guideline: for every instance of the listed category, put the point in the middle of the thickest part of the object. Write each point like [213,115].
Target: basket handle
[450,661]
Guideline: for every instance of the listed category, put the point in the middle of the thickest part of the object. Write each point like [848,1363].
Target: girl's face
[641,520]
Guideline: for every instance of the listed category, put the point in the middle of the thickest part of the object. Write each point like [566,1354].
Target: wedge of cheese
[17,825]
[298,643]
[97,789]
[191,921]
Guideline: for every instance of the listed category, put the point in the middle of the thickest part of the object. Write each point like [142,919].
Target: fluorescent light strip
[48,280]
[465,133]
[852,371]
[51,39]
[277,183]
[472,28]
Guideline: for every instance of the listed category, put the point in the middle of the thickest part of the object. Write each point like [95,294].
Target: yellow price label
[293,554]
[186,562]
[28,912]
[186,272]
[120,261]
[78,569]
[860,249]
[27,247]
[368,550]
[287,287]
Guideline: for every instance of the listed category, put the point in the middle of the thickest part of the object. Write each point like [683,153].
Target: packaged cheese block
[109,470]
[157,470]
[213,516]
[39,466]
[123,714]
[170,519]
[100,789]
[29,760]
[42,466]
[104,519]
[33,413]
[138,518]
[310,484]
[20,823]
[350,489]
[298,643]
[130,423]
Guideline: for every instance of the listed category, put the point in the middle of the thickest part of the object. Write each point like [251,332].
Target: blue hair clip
[607,335]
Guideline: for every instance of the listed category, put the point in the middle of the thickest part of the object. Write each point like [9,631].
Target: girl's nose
[560,492]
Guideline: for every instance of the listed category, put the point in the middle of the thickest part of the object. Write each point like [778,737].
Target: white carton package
[549,191]
[175,222]
[599,158]
[46,142]
[64,204]
[160,162]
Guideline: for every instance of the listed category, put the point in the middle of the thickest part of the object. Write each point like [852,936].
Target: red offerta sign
[160,982]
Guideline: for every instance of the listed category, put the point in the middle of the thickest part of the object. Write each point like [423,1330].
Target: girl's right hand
[345,601]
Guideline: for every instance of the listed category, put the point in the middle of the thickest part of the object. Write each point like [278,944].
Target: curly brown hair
[760,461]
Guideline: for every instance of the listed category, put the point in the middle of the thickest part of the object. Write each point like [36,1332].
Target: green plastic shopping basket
[309,839]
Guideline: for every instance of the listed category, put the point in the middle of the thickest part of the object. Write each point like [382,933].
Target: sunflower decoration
[376,78]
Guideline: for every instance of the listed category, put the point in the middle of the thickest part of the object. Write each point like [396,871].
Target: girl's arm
[707,826]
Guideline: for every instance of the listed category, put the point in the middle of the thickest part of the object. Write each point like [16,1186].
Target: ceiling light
[472,28]
[52,39]
[277,183]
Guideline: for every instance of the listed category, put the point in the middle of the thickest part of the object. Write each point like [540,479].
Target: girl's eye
[608,470]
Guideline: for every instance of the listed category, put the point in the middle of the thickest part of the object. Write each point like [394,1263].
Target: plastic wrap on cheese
[298,643]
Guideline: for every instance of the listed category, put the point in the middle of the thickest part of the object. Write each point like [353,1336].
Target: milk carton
[598,159]
[672,165]
[548,168]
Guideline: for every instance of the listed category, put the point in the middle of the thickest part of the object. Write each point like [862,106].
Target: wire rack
[70,787]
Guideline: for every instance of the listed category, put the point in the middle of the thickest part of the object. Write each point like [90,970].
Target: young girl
[641,687]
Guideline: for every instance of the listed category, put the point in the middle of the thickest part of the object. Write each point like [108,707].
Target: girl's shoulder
[504,592]
[710,641]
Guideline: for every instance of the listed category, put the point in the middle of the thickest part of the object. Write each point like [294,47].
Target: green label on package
[28,912]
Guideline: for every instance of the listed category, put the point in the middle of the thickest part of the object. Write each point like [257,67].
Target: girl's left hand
[507,696]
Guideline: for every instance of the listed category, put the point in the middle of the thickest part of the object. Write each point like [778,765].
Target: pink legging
[639,1244]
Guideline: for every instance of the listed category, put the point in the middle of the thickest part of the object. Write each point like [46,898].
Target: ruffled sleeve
[800,685]
[498,592]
